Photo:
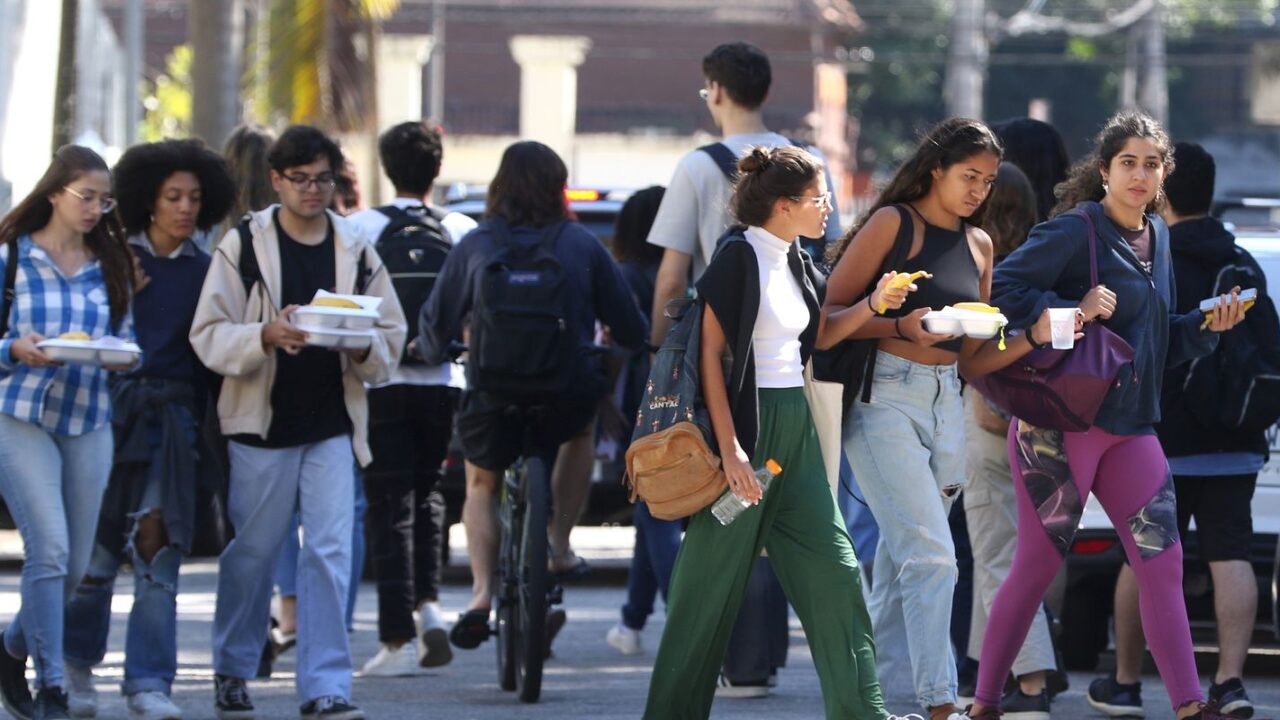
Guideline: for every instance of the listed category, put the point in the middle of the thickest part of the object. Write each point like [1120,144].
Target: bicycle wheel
[505,579]
[531,593]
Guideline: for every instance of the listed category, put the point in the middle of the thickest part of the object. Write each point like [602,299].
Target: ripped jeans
[151,641]
[907,449]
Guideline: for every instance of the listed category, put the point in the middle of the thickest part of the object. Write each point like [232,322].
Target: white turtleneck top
[782,315]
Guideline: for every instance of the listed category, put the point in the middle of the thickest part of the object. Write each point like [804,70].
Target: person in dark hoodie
[1108,199]
[1214,468]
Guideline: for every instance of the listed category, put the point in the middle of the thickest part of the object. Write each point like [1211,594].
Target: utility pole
[1154,97]
[133,40]
[967,60]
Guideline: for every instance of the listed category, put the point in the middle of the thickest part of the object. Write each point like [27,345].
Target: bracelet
[897,330]
[1032,341]
[871,307]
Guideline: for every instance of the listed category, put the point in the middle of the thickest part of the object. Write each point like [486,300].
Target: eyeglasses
[821,201]
[106,202]
[704,94]
[302,183]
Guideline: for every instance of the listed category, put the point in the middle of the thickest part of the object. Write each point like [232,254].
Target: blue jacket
[597,285]
[1051,269]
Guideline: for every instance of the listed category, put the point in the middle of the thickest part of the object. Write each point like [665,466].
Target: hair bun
[757,158]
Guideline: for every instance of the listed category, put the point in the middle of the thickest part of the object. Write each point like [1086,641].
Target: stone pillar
[400,61]
[549,88]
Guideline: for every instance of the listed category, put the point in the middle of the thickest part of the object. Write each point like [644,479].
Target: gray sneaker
[330,707]
[152,705]
[231,698]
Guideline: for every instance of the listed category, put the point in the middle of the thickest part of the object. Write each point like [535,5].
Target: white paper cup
[1062,325]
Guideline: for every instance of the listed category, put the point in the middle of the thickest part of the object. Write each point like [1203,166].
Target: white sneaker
[402,662]
[152,705]
[82,698]
[433,637]
[726,689]
[626,640]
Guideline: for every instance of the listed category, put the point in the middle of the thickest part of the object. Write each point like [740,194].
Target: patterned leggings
[1053,473]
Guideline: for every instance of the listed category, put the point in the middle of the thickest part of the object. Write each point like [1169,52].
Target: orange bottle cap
[773,466]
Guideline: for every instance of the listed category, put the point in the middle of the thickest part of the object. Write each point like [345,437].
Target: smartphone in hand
[1246,296]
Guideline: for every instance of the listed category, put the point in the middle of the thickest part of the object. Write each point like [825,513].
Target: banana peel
[901,280]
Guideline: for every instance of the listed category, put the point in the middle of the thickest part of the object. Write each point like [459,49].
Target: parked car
[1085,605]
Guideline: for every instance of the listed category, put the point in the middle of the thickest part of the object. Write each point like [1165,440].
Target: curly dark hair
[766,174]
[950,142]
[528,188]
[105,240]
[1084,182]
[142,170]
[411,154]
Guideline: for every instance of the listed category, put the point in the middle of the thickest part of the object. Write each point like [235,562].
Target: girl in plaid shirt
[74,273]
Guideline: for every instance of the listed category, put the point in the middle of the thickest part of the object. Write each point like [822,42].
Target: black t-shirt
[307,404]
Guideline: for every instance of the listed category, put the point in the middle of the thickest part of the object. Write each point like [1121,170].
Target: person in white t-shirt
[694,214]
[410,423]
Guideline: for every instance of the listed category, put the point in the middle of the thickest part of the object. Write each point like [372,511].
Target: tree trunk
[1129,76]
[64,109]
[134,38]
[967,60]
[1154,98]
[216,29]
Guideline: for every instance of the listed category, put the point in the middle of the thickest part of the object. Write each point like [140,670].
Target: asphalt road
[586,679]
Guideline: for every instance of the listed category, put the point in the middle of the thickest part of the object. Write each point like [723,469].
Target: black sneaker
[1018,705]
[51,704]
[15,693]
[231,698]
[1111,698]
[330,707]
[1231,699]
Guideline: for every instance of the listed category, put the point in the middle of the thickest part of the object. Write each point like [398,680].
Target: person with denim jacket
[167,192]
[74,275]
[1119,458]
[906,441]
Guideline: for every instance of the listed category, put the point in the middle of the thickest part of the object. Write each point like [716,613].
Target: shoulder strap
[724,158]
[363,272]
[1093,246]
[894,260]
[10,283]
[250,273]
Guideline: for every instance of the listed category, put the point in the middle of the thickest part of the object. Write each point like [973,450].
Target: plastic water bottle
[729,506]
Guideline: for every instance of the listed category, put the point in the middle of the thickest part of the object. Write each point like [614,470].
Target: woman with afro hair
[167,191]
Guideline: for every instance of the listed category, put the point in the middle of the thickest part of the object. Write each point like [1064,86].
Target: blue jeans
[657,542]
[858,519]
[287,566]
[906,447]
[268,485]
[151,641]
[53,485]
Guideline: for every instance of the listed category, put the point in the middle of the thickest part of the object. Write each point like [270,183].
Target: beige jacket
[227,331]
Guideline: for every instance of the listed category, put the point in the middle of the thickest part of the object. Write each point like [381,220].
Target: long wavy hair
[106,239]
[1011,210]
[1084,182]
[950,142]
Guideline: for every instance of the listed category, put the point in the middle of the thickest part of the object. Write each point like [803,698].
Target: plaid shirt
[67,400]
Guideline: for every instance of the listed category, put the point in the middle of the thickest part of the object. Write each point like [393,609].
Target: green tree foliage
[167,101]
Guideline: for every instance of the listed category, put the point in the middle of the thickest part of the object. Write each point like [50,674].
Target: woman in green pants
[762,298]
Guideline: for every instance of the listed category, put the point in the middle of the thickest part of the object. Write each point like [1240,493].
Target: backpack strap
[363,272]
[893,261]
[724,158]
[10,283]
[250,273]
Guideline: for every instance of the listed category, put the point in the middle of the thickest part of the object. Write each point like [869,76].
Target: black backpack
[251,274]
[522,346]
[1237,386]
[10,282]
[413,247]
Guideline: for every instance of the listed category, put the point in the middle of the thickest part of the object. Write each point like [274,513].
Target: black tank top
[946,254]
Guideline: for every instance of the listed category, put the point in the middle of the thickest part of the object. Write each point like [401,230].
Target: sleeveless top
[946,254]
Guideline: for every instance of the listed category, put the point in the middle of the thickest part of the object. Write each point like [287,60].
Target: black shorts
[492,438]
[1222,506]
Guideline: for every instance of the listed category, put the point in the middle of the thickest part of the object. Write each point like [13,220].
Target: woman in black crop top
[906,445]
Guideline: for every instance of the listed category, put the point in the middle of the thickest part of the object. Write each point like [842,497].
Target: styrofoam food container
[332,317]
[950,321]
[104,351]
[338,338]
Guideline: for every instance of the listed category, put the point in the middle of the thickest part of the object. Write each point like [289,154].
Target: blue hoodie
[1051,269]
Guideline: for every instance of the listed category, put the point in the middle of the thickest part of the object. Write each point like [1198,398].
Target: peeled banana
[901,280]
[76,335]
[335,302]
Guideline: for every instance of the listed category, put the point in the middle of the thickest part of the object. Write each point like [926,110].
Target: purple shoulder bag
[1062,389]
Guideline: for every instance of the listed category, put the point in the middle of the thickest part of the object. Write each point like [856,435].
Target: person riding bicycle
[526,221]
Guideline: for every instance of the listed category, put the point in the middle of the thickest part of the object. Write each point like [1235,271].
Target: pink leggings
[1053,474]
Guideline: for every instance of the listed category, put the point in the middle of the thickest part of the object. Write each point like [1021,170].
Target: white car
[1084,598]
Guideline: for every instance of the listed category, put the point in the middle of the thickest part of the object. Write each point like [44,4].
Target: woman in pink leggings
[1119,458]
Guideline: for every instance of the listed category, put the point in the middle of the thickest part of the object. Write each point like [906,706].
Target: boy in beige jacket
[295,415]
